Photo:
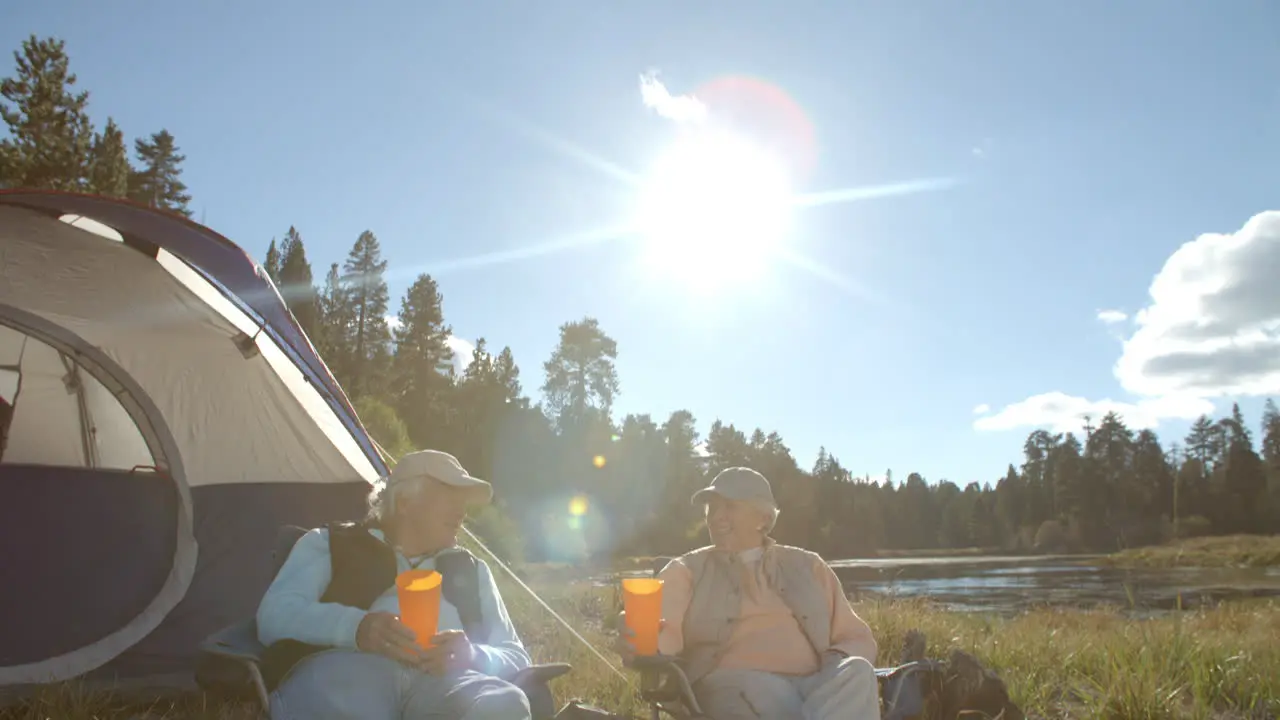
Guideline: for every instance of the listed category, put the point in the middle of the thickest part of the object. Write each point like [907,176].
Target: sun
[714,206]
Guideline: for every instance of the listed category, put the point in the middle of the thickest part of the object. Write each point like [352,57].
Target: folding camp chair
[237,646]
[666,688]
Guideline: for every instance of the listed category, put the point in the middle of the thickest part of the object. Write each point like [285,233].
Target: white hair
[772,512]
[384,497]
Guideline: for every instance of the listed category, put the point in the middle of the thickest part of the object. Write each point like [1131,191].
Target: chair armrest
[664,681]
[655,663]
[902,689]
[540,674]
[534,681]
[235,642]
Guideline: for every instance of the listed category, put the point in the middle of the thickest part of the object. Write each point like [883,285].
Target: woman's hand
[623,645]
[384,634]
[450,652]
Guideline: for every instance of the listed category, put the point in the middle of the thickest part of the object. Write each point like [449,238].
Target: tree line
[574,480]
[53,145]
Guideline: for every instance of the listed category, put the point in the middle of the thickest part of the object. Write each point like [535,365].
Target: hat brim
[702,496]
[480,491]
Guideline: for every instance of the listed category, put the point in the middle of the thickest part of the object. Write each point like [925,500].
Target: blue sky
[1085,143]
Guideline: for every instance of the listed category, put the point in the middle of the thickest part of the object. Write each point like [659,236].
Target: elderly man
[336,648]
[763,630]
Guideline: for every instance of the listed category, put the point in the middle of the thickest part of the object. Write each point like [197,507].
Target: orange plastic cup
[642,602]
[419,595]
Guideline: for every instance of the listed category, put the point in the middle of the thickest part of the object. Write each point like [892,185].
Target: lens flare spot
[598,461]
[578,506]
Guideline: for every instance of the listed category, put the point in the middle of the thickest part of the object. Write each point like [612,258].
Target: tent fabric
[226,264]
[44,374]
[168,415]
[50,552]
[240,419]
[67,560]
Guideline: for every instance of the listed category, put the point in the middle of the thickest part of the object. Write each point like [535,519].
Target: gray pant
[348,685]
[844,689]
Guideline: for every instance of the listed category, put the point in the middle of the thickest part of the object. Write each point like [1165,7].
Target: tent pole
[86,421]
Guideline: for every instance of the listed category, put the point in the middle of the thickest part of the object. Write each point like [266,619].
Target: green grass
[1221,662]
[1101,664]
[1214,663]
[1222,551]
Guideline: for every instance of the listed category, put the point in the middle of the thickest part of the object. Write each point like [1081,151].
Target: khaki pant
[842,690]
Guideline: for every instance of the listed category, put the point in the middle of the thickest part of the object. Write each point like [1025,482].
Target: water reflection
[1011,584]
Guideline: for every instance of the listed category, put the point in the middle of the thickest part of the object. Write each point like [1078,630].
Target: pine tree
[1244,480]
[272,263]
[50,134]
[366,291]
[581,378]
[109,168]
[158,182]
[1271,436]
[423,359]
[295,283]
[337,322]
[507,375]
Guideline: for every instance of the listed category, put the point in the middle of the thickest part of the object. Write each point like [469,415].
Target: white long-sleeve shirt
[291,608]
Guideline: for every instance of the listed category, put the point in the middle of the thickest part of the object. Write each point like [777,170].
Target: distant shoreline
[1216,551]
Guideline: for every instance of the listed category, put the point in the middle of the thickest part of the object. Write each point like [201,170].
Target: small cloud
[464,352]
[1060,412]
[680,108]
[1211,329]
[1112,317]
[393,321]
[982,409]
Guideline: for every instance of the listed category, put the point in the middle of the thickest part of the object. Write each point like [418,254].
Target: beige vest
[713,608]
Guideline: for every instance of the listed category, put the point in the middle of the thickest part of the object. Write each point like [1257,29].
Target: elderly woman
[336,648]
[763,630]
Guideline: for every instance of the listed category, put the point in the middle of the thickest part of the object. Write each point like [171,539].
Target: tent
[165,415]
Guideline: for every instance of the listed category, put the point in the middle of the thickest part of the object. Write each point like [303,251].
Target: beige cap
[441,466]
[738,483]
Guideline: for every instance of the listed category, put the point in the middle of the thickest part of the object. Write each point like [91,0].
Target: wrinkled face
[735,524]
[435,512]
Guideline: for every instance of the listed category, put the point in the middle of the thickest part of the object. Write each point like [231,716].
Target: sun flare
[714,205]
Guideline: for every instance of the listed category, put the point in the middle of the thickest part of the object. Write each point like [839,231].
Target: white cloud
[680,108]
[1060,412]
[982,409]
[1112,317]
[1211,330]
[1213,326]
[463,353]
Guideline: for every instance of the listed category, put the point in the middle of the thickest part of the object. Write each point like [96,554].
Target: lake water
[1010,584]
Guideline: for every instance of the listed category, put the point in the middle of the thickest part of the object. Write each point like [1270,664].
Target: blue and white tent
[168,415]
